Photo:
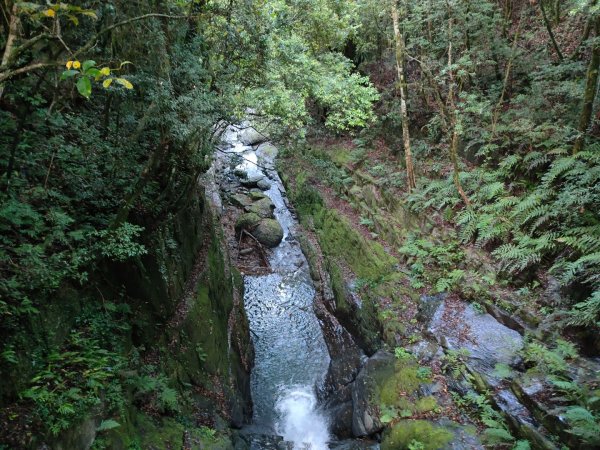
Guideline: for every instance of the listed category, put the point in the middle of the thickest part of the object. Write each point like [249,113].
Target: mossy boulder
[263,207]
[269,233]
[365,416]
[415,432]
[263,185]
[247,221]
[241,200]
[256,194]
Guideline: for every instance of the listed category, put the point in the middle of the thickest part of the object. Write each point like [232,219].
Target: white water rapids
[301,422]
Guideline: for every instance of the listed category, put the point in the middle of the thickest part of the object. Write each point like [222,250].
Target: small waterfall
[300,420]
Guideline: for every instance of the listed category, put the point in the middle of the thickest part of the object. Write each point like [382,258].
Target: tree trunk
[453,113]
[550,32]
[13,28]
[589,96]
[399,41]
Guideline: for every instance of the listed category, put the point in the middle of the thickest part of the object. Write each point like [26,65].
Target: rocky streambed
[316,385]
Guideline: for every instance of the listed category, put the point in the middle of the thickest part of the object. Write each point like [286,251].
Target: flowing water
[291,357]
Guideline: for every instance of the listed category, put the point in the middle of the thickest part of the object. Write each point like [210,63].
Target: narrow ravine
[291,357]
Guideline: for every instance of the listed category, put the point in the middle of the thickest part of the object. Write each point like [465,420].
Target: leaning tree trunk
[399,41]
[550,32]
[589,95]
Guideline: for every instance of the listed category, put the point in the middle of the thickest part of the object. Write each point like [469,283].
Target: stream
[291,356]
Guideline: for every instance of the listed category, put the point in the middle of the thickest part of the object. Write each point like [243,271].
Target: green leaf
[108,425]
[88,64]
[68,74]
[84,86]
[106,83]
[387,418]
[93,72]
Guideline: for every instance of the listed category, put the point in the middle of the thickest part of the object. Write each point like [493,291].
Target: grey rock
[263,207]
[240,200]
[263,185]
[249,136]
[255,194]
[365,416]
[269,233]
[240,173]
[252,182]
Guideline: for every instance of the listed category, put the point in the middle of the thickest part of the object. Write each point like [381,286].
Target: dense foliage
[107,118]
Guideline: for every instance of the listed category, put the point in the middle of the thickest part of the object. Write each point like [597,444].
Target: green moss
[403,433]
[404,381]
[338,239]
[425,404]
[168,433]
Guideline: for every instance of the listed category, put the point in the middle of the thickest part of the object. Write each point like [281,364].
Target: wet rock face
[457,325]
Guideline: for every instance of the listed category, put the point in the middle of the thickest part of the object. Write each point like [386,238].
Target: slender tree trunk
[513,53]
[586,34]
[13,29]
[399,41]
[550,32]
[454,125]
[589,95]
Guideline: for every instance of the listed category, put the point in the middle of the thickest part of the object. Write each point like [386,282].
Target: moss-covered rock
[256,194]
[263,207]
[247,221]
[241,200]
[407,432]
[269,233]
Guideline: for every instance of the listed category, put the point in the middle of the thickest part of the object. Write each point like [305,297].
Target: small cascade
[301,422]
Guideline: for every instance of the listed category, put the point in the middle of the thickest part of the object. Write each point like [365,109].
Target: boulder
[365,416]
[263,185]
[241,173]
[255,194]
[263,207]
[241,200]
[252,182]
[249,136]
[269,233]
[247,221]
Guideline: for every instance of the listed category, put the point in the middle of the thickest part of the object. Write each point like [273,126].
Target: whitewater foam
[300,421]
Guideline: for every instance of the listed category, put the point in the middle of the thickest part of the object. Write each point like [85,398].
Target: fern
[584,424]
[587,312]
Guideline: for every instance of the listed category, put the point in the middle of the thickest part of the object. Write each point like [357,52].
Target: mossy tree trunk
[589,96]
[400,50]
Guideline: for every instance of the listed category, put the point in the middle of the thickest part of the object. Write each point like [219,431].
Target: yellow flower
[76,64]
[69,64]
[50,13]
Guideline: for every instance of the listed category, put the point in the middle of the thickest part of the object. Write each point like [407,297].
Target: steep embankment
[471,361]
[164,362]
